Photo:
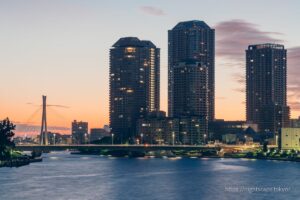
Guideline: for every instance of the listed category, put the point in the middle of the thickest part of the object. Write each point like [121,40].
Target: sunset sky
[60,48]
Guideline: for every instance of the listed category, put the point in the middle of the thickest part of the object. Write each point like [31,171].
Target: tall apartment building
[134,84]
[190,89]
[266,87]
[192,40]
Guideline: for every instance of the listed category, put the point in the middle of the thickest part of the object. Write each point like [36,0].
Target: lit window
[130,50]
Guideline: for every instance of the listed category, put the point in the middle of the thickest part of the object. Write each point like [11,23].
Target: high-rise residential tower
[266,86]
[192,40]
[190,89]
[191,99]
[134,84]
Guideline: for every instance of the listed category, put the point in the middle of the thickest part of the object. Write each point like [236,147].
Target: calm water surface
[65,176]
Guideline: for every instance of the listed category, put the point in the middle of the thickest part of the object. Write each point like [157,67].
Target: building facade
[266,87]
[295,123]
[97,134]
[290,139]
[159,129]
[156,128]
[79,132]
[220,127]
[192,40]
[134,84]
[193,130]
[190,89]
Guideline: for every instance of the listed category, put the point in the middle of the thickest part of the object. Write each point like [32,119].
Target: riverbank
[188,154]
[20,161]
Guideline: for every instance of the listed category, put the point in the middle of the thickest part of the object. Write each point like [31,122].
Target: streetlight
[54,138]
[184,140]
[204,138]
[85,138]
[112,139]
[142,138]
[173,138]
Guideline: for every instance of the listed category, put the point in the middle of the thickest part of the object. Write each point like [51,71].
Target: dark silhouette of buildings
[192,40]
[156,128]
[134,84]
[79,132]
[266,87]
[295,123]
[97,134]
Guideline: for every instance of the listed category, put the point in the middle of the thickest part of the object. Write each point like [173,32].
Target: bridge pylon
[44,133]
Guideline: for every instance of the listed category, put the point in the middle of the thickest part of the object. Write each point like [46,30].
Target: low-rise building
[156,128]
[220,127]
[229,138]
[98,134]
[290,138]
[159,129]
[79,132]
[295,123]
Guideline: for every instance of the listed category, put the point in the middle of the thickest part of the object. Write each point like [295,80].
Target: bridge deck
[113,147]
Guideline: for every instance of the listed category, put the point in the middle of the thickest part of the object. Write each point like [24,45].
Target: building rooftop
[133,42]
[191,24]
[266,46]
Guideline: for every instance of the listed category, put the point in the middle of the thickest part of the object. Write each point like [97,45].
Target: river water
[65,176]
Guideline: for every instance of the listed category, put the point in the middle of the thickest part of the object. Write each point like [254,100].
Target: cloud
[240,90]
[240,79]
[150,10]
[293,61]
[234,36]
[59,106]
[295,105]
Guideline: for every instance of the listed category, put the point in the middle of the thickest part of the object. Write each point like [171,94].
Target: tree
[6,142]
[265,147]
